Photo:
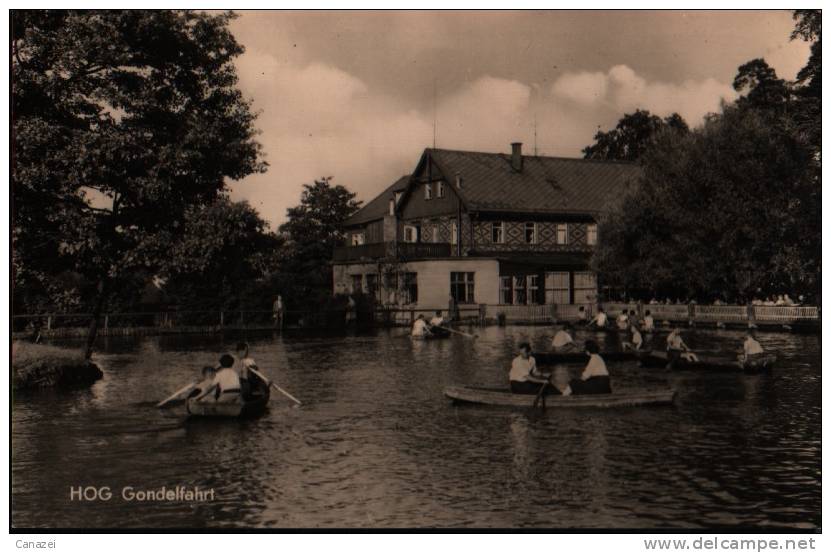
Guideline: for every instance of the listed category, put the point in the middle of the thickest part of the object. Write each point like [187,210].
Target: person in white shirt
[249,381]
[420,328]
[563,340]
[600,319]
[750,347]
[648,321]
[226,383]
[623,320]
[524,377]
[437,320]
[595,377]
[636,340]
[677,349]
[780,300]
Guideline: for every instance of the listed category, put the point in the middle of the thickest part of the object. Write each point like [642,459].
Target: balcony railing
[400,250]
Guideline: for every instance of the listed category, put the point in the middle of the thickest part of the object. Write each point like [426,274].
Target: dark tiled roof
[378,206]
[546,184]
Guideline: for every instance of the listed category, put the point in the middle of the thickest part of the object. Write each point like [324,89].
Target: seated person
[595,377]
[420,328]
[438,320]
[562,340]
[636,340]
[623,320]
[582,315]
[524,377]
[226,383]
[600,319]
[248,380]
[751,347]
[648,322]
[677,349]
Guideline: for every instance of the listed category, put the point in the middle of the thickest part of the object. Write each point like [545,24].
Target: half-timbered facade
[482,228]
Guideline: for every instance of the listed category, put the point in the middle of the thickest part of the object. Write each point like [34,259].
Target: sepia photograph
[379,270]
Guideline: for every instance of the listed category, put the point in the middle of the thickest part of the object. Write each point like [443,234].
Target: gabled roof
[545,184]
[379,206]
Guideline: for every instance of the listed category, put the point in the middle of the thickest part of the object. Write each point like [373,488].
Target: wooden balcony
[392,250]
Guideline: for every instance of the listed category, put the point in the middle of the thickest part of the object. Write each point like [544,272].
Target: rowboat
[757,364]
[504,398]
[553,357]
[253,406]
[435,333]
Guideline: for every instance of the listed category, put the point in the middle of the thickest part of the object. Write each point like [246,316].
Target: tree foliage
[632,136]
[122,120]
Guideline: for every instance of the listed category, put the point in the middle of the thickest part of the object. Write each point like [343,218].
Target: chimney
[516,156]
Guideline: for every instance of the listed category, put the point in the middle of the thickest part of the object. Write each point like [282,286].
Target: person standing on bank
[277,309]
[595,377]
[524,377]
[452,309]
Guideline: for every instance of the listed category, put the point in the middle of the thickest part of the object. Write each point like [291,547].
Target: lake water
[376,444]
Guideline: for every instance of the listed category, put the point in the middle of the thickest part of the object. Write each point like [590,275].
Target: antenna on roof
[434,114]
[535,135]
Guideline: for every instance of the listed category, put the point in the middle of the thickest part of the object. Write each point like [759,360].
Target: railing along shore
[210,322]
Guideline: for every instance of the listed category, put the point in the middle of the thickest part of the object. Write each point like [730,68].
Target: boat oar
[539,394]
[184,390]
[275,386]
[474,336]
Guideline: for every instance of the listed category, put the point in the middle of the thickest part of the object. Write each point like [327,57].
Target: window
[461,287]
[585,287]
[357,238]
[520,297]
[591,234]
[562,233]
[506,291]
[533,288]
[410,233]
[440,189]
[498,233]
[391,287]
[530,233]
[409,288]
[436,234]
[428,191]
[372,285]
[557,287]
[357,284]
[454,232]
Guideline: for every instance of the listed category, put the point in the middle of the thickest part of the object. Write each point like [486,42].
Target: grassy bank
[38,366]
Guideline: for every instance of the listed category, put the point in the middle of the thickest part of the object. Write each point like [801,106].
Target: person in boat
[595,377]
[623,320]
[208,374]
[677,349]
[226,383]
[600,320]
[420,328]
[524,376]
[437,320]
[248,380]
[648,321]
[582,316]
[751,347]
[635,341]
[563,340]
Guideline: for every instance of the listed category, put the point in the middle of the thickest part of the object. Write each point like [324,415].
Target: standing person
[595,377]
[524,377]
[277,312]
[420,328]
[648,321]
[452,309]
[350,309]
[563,341]
[623,320]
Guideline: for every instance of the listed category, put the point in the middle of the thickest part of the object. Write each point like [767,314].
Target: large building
[484,228]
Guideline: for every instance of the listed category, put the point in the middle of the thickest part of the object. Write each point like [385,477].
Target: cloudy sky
[355,95]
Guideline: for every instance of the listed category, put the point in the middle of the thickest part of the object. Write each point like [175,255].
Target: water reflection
[376,444]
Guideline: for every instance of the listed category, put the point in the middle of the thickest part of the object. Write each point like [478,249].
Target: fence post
[49,322]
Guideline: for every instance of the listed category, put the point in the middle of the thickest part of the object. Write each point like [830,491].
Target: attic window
[440,189]
[428,191]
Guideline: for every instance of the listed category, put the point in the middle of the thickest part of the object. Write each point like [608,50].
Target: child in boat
[420,328]
[600,319]
[751,347]
[524,377]
[208,374]
[595,377]
[636,340]
[226,382]
[648,322]
[562,340]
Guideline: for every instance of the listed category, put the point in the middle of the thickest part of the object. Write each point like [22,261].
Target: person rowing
[636,340]
[595,377]
[648,321]
[420,328]
[600,320]
[208,375]
[563,341]
[677,349]
[524,376]
[623,320]
[437,320]
[226,383]
[751,348]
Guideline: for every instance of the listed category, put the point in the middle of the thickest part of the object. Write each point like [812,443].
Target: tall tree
[632,136]
[121,121]
[808,86]
[760,87]
[313,229]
